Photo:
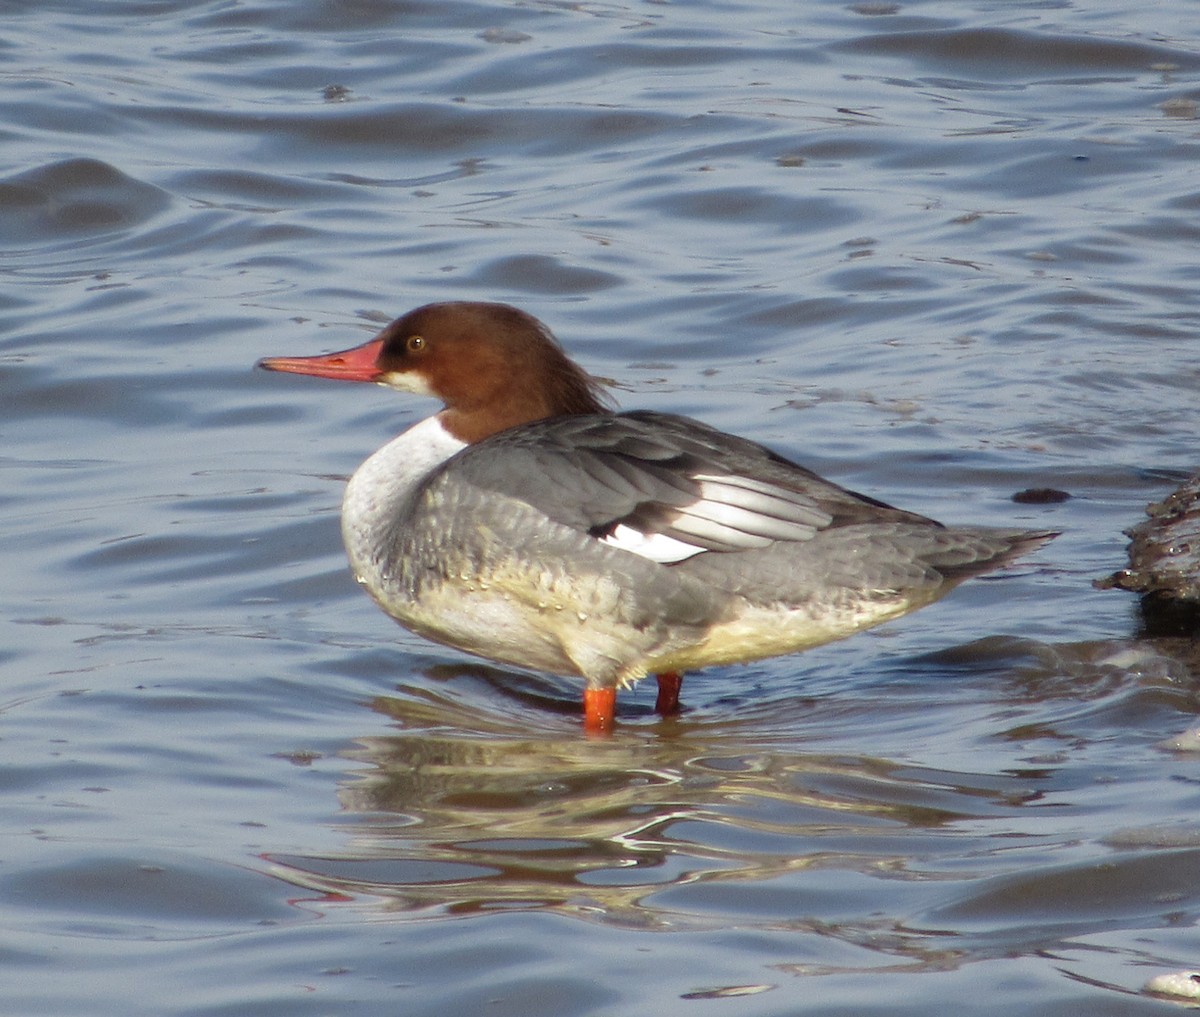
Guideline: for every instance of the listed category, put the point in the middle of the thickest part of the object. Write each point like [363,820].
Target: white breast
[381,484]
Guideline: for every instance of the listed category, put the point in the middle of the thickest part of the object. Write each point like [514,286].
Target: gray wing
[662,486]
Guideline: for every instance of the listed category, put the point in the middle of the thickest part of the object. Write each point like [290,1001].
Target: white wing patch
[655,546]
[732,514]
[791,515]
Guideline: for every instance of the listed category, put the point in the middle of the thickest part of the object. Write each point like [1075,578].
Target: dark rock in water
[1041,496]
[1164,558]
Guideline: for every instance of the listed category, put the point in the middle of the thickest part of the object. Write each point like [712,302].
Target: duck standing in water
[529,524]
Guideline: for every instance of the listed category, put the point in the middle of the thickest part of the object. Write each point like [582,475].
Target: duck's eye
[415,344]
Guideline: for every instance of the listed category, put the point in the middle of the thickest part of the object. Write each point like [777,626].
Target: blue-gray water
[939,251]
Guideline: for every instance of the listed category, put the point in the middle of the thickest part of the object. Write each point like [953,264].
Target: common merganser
[528,523]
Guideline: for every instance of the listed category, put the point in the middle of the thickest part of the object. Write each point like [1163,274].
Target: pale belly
[560,637]
[760,632]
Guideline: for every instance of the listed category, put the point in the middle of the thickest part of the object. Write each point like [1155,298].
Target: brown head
[492,365]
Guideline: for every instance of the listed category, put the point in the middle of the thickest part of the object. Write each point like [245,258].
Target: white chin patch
[406,381]
[655,546]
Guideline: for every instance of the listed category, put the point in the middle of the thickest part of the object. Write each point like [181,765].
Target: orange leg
[599,710]
[669,684]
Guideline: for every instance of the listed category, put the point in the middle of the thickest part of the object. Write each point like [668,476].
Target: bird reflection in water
[465,810]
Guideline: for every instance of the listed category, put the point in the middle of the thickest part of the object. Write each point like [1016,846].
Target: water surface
[940,252]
